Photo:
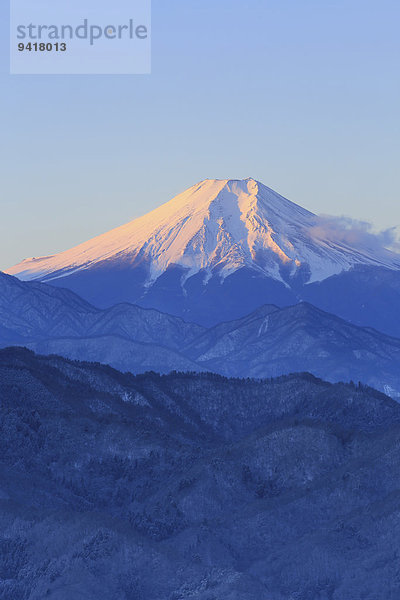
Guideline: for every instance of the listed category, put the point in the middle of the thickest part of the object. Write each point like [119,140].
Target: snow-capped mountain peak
[216,226]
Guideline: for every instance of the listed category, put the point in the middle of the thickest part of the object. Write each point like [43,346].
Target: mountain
[49,319]
[273,341]
[268,342]
[220,250]
[120,353]
[117,487]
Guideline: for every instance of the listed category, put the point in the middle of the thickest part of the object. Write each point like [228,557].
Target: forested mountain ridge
[193,485]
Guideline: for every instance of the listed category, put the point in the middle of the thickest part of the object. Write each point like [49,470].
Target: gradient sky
[302,95]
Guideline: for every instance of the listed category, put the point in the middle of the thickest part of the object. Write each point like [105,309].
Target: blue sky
[302,95]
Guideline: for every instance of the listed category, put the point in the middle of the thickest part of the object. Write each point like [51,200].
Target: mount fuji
[220,250]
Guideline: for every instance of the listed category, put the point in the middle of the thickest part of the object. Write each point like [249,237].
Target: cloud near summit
[356,233]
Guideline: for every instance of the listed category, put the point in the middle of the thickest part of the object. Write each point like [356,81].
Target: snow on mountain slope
[216,226]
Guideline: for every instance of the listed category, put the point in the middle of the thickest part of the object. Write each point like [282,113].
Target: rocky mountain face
[117,487]
[220,250]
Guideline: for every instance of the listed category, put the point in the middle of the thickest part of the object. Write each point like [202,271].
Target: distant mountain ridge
[220,250]
[43,311]
[273,341]
[268,342]
[50,319]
